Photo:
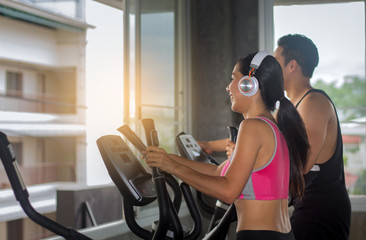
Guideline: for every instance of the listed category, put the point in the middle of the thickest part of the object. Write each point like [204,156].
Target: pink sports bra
[272,180]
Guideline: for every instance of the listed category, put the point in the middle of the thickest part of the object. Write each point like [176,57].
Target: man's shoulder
[317,102]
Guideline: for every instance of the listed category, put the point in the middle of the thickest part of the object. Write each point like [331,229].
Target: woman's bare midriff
[263,215]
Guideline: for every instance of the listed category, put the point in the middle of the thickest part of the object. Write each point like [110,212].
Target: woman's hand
[230,145]
[158,157]
[205,147]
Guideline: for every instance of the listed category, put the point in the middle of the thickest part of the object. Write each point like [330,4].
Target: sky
[338,30]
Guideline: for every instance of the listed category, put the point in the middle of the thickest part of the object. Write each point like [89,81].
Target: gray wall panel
[220,34]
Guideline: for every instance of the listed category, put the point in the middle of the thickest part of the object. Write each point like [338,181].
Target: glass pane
[132,61]
[340,73]
[157,52]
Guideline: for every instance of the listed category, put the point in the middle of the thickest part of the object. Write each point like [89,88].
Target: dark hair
[270,78]
[301,49]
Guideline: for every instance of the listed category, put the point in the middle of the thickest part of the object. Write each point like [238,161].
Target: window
[41,90]
[14,83]
[152,77]
[340,73]
[104,64]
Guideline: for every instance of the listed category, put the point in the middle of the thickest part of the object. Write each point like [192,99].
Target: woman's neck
[257,112]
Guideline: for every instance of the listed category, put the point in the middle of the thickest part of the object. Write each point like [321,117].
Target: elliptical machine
[21,194]
[223,214]
[140,188]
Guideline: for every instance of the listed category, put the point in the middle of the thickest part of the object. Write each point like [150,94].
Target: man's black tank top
[331,173]
[324,212]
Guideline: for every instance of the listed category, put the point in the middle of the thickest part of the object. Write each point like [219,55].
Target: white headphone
[248,85]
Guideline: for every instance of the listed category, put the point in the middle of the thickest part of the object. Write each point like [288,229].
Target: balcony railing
[20,102]
[70,8]
[42,173]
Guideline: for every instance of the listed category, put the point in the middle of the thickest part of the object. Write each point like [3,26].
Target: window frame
[132,68]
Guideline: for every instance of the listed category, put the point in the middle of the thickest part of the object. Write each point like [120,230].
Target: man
[324,212]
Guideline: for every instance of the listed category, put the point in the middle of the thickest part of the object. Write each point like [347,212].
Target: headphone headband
[258,58]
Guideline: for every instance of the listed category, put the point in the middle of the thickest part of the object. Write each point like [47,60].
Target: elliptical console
[189,148]
[126,171]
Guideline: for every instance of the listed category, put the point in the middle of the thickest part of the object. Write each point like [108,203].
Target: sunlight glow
[104,77]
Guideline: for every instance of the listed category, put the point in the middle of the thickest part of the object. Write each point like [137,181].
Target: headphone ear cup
[248,86]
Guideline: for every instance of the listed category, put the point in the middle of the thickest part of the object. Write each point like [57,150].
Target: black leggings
[263,235]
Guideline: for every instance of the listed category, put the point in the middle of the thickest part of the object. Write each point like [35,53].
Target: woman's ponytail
[291,125]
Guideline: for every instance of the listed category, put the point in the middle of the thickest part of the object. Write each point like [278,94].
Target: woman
[268,159]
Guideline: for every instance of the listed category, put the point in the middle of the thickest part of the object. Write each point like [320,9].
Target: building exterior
[42,100]
[354,152]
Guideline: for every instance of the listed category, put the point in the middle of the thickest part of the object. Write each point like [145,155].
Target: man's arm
[213,146]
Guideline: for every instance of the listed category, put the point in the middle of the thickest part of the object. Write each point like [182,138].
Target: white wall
[27,42]
[35,44]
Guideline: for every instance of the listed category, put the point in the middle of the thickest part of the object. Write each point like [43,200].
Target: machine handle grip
[151,134]
[132,137]
[11,168]
[233,133]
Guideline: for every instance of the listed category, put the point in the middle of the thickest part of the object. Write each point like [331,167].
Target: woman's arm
[226,188]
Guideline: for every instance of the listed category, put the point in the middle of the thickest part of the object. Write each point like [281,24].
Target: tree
[349,97]
[360,187]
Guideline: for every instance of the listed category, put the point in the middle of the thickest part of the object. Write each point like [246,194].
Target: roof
[347,139]
[28,12]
